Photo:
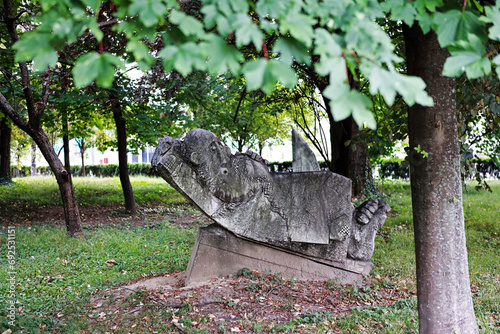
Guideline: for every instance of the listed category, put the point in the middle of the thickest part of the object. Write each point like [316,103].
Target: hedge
[389,168]
[90,170]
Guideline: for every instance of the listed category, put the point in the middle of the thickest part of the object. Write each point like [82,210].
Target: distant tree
[36,103]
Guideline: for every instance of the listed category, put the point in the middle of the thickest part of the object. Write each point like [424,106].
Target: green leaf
[94,66]
[473,64]
[335,67]
[47,4]
[150,11]
[447,25]
[210,17]
[85,70]
[223,26]
[273,8]
[239,6]
[187,24]
[290,49]
[247,31]
[402,10]
[455,25]
[364,116]
[35,46]
[326,45]
[493,15]
[254,71]
[283,73]
[184,58]
[389,82]
[221,56]
[94,28]
[299,26]
[140,51]
[94,4]
[345,102]
[44,59]
[496,61]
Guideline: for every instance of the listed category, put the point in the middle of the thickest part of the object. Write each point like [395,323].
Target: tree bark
[67,161]
[5,139]
[443,286]
[352,160]
[121,132]
[82,154]
[33,159]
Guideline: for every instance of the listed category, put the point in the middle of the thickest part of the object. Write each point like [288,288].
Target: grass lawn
[58,279]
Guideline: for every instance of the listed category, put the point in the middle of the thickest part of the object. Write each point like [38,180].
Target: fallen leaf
[111,262]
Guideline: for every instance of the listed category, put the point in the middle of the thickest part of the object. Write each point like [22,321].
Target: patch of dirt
[102,215]
[241,303]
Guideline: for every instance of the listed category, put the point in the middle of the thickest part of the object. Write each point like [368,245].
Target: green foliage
[93,66]
[338,33]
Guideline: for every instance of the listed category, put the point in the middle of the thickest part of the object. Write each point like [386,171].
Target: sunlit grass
[43,190]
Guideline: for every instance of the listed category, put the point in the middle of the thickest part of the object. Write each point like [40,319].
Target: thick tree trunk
[33,158]
[128,192]
[5,138]
[360,171]
[443,287]
[351,160]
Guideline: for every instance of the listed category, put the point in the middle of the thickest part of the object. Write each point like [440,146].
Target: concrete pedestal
[218,252]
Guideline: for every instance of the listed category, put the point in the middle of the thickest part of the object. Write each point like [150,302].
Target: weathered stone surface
[304,159]
[368,219]
[218,252]
[307,213]
[239,193]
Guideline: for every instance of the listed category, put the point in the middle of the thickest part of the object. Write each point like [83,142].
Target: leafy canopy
[340,36]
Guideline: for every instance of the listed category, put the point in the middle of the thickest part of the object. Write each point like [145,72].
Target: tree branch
[243,94]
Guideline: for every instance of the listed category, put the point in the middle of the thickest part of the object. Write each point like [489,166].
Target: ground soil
[101,215]
[243,303]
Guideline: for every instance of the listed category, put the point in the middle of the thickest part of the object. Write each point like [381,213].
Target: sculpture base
[218,252]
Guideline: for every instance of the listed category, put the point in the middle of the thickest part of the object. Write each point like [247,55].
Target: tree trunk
[350,160]
[128,192]
[5,138]
[82,153]
[67,162]
[443,287]
[360,171]
[33,158]
[34,130]
[71,211]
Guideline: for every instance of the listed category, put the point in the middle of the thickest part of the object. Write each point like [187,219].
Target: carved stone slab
[297,222]
[239,193]
[218,252]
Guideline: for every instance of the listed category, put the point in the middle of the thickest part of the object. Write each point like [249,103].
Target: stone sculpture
[309,213]
[304,159]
